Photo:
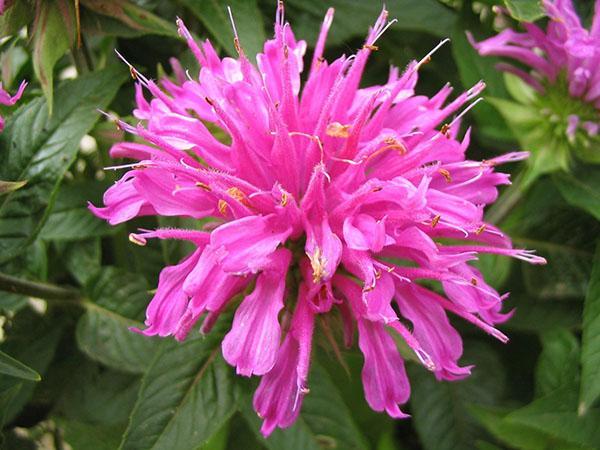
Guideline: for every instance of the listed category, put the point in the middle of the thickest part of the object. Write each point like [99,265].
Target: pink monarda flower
[7,99]
[327,198]
[566,53]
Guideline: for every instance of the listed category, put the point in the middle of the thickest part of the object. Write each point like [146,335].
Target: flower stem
[45,291]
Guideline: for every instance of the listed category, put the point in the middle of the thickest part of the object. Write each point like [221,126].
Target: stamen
[317,262]
[204,186]
[389,24]
[222,206]
[435,220]
[427,57]
[465,111]
[313,137]
[118,122]
[336,129]
[446,174]
[284,199]
[138,240]
[135,74]
[238,195]
[127,166]
[236,39]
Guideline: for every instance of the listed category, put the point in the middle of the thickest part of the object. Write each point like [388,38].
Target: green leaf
[581,188]
[514,434]
[525,10]
[7,394]
[40,148]
[84,436]
[136,18]
[186,396]
[590,352]
[247,17]
[70,218]
[240,435]
[544,222]
[535,315]
[54,32]
[15,18]
[555,415]
[13,368]
[558,365]
[83,259]
[103,332]
[325,421]
[440,408]
[98,395]
[33,340]
[354,17]
[473,68]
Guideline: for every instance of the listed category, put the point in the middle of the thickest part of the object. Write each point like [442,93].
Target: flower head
[562,63]
[7,99]
[323,197]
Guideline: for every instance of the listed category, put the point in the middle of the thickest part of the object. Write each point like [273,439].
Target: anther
[238,195]
[138,240]
[371,47]
[204,186]
[435,220]
[336,129]
[446,174]
[480,230]
[222,206]
[284,199]
[474,281]
[445,129]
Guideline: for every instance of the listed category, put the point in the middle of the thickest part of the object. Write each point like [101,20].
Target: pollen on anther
[137,240]
[446,174]
[284,199]
[222,206]
[204,186]
[336,129]
[435,220]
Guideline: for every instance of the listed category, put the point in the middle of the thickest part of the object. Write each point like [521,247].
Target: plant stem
[46,291]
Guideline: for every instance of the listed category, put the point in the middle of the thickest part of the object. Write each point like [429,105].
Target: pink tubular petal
[384,377]
[244,245]
[253,341]
[433,330]
[170,302]
[278,398]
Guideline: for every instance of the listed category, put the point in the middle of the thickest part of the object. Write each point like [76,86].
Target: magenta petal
[170,301]
[384,377]
[253,341]
[433,330]
[244,245]
[279,395]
